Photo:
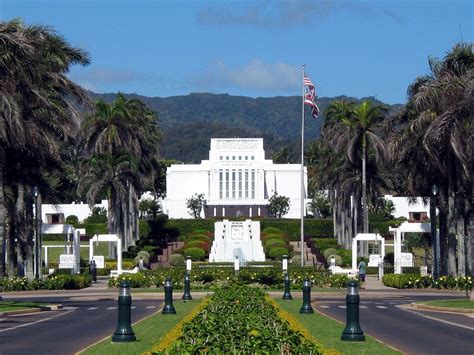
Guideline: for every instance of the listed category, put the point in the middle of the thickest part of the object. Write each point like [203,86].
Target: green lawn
[328,332]
[148,332]
[465,304]
[6,306]
[53,253]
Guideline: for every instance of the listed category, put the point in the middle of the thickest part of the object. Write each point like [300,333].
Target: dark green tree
[278,205]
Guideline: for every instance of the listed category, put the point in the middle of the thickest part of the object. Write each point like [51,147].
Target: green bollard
[286,293]
[124,332]
[168,308]
[353,331]
[306,307]
[187,286]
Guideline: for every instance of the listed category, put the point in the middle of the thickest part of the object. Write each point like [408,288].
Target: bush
[95,228]
[201,237]
[272,230]
[176,260]
[346,256]
[72,219]
[198,244]
[271,243]
[277,253]
[337,259]
[144,255]
[296,260]
[195,253]
[201,231]
[324,243]
[329,251]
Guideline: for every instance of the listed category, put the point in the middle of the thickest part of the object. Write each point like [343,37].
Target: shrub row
[256,327]
[54,282]
[417,281]
[210,278]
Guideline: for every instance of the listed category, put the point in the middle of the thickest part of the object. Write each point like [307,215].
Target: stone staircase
[163,260]
[309,258]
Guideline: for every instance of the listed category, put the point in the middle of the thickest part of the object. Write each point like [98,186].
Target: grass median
[8,306]
[148,332]
[460,304]
[328,332]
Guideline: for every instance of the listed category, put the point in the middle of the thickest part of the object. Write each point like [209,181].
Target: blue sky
[253,48]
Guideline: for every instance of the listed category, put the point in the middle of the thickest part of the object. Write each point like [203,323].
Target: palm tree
[126,135]
[37,107]
[354,129]
[446,95]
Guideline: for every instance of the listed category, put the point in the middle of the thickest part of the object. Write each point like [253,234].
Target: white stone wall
[81,210]
[403,208]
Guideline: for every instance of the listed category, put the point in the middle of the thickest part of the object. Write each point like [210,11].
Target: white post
[91,246]
[236,264]
[354,254]
[119,256]
[46,256]
[77,251]
[302,174]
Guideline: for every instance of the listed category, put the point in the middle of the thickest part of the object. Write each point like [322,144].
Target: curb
[443,309]
[50,307]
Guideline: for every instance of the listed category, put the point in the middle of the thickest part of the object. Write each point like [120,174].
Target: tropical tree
[278,205]
[320,205]
[38,115]
[120,142]
[195,204]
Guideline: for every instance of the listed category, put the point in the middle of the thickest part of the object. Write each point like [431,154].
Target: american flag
[310,95]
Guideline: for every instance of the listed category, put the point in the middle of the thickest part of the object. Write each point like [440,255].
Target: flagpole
[302,174]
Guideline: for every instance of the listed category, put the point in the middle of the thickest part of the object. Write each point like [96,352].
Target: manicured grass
[328,332]
[53,253]
[6,306]
[148,332]
[465,304]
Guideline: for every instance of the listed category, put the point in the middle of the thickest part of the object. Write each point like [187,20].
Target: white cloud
[255,75]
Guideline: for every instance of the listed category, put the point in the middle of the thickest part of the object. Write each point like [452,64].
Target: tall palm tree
[37,109]
[354,129]
[122,132]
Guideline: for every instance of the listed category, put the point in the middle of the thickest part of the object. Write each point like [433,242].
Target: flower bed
[209,278]
[238,320]
[417,281]
[55,282]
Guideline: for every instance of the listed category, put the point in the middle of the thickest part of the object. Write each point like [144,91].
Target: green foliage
[195,253]
[278,205]
[329,251]
[96,228]
[54,282]
[201,237]
[256,327]
[272,230]
[144,255]
[417,281]
[271,243]
[278,252]
[99,215]
[320,205]
[149,208]
[198,244]
[195,204]
[72,220]
[337,259]
[176,260]
[325,243]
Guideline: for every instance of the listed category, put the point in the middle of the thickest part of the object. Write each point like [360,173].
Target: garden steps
[163,260]
[310,258]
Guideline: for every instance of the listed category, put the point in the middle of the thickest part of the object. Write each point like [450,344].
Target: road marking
[111,307]
[92,308]
[323,306]
[35,322]
[439,320]
[150,307]
[381,307]
[363,307]
[133,307]
[342,306]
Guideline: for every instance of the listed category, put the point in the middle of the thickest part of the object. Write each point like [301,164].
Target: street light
[35,192]
[434,234]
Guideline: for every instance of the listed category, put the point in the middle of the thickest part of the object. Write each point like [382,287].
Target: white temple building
[236,181]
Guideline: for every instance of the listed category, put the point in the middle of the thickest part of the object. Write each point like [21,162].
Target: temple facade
[237,181]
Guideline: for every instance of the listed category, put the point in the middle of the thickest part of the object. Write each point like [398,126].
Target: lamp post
[37,258]
[434,234]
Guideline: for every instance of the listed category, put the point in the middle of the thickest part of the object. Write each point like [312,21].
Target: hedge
[195,253]
[96,228]
[417,281]
[278,252]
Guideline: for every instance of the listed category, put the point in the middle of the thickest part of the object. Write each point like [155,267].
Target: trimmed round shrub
[296,260]
[176,260]
[72,219]
[144,255]
[195,253]
[337,259]
[272,236]
[202,237]
[329,251]
[272,230]
[272,243]
[278,252]
[197,244]
[201,231]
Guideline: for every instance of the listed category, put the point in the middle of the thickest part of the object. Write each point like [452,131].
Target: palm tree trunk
[443,237]
[365,209]
[3,215]
[29,232]
[460,231]
[451,226]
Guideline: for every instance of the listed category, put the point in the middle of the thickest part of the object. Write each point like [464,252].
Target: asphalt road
[65,331]
[411,331]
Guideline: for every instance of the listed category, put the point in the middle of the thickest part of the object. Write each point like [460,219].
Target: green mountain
[189,122]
